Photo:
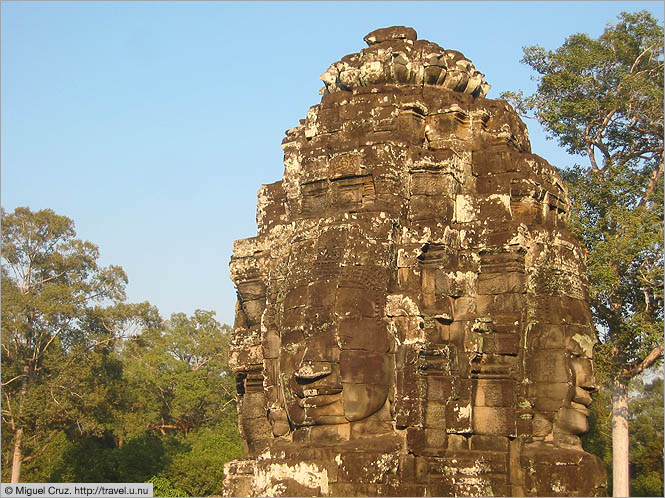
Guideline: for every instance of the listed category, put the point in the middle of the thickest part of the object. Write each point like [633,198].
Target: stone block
[270,344]
[435,438]
[486,163]
[435,414]
[439,388]
[494,392]
[483,442]
[430,207]
[365,367]
[430,183]
[503,303]
[415,440]
[494,184]
[360,467]
[245,357]
[458,442]
[494,420]
[497,343]
[501,283]
[458,417]
[357,302]
[365,334]
[549,366]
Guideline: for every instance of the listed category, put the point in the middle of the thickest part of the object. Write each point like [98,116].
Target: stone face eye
[293,340]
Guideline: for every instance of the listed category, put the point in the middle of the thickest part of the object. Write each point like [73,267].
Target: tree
[162,486]
[179,374]
[199,471]
[61,314]
[183,391]
[603,99]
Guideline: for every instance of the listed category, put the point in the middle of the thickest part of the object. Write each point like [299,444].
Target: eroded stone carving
[396,56]
[412,315]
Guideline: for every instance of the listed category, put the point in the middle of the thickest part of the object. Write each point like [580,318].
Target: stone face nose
[584,376]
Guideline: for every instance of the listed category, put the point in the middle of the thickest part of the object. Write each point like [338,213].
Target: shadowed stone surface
[412,317]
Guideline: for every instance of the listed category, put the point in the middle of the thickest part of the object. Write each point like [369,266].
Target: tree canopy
[61,313]
[95,389]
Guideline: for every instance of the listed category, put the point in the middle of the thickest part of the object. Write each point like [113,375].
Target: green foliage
[624,264]
[40,469]
[161,486]
[99,459]
[646,440]
[98,390]
[178,465]
[179,374]
[200,470]
[174,422]
[602,95]
[61,316]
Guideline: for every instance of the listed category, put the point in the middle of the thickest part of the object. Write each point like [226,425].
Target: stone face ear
[412,316]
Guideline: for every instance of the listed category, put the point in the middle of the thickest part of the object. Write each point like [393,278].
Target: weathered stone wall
[412,316]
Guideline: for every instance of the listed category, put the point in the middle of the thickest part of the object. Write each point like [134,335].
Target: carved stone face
[561,362]
[327,384]
[335,365]
[573,415]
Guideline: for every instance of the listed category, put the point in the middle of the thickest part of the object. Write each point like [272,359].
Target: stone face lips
[412,316]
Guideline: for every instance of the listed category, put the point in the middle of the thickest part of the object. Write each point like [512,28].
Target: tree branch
[13,379]
[52,277]
[36,455]
[638,366]
[644,52]
[589,149]
[655,176]
[161,427]
[11,414]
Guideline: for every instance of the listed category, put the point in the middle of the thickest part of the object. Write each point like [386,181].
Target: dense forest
[95,389]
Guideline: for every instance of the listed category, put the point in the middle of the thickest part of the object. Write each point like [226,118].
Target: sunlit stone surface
[412,316]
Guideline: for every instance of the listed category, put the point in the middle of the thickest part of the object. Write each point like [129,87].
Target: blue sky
[153,124]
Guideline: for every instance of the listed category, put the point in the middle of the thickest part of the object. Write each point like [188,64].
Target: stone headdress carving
[396,56]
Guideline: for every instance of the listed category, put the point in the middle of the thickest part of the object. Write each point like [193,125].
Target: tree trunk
[17,460]
[18,455]
[620,439]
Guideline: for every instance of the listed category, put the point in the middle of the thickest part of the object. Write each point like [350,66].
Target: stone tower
[412,316]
